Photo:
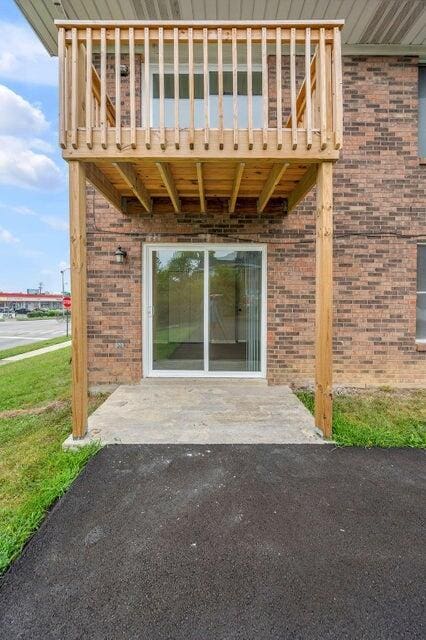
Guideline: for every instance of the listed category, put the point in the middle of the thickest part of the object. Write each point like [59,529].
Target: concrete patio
[201,411]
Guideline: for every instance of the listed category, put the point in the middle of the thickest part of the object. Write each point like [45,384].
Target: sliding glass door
[205,310]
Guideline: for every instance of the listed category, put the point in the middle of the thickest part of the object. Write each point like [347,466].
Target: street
[14,333]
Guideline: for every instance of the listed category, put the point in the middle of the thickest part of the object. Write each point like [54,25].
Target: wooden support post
[77,190]
[324,300]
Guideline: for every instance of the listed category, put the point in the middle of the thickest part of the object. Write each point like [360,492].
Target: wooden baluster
[293,88]
[329,91]
[147,81]
[308,89]
[118,87]
[265,89]
[74,87]
[67,119]
[315,93]
[161,85]
[279,88]
[132,87]
[62,90]
[322,89]
[104,121]
[176,84]
[206,87]
[81,81]
[89,89]
[191,86]
[235,86]
[337,89]
[220,85]
[249,90]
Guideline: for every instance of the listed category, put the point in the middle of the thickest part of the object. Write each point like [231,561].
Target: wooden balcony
[223,110]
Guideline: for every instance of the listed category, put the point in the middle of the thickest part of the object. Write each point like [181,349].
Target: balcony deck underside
[231,179]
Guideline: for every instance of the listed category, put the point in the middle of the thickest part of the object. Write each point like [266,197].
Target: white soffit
[372,26]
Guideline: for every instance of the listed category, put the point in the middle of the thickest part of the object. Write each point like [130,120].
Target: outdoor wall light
[120,255]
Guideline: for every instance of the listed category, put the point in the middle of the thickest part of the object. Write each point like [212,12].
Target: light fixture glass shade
[120,254]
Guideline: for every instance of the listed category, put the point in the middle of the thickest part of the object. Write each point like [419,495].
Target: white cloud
[23,57]
[6,237]
[41,145]
[55,223]
[23,153]
[18,116]
[22,167]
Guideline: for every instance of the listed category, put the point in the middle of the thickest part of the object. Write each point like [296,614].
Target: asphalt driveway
[228,541]
[14,333]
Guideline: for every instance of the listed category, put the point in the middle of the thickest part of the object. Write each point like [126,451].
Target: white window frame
[183,69]
[419,291]
[147,345]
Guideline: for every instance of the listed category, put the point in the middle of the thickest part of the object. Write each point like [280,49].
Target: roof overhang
[372,27]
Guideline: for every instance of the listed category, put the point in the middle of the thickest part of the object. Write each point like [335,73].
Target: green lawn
[382,418]
[24,348]
[34,471]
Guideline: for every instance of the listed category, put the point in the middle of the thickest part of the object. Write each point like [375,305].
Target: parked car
[5,312]
[21,311]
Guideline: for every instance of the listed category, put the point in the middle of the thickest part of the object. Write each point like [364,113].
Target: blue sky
[33,177]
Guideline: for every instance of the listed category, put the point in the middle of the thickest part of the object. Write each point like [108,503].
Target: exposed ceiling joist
[169,183]
[129,175]
[105,187]
[201,191]
[273,179]
[302,189]
[236,186]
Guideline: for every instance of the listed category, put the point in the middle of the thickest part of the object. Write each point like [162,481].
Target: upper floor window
[184,105]
[422,111]
[421,293]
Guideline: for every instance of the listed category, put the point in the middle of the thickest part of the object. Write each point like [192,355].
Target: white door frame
[147,347]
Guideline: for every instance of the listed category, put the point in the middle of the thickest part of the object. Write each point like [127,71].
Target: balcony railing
[206,90]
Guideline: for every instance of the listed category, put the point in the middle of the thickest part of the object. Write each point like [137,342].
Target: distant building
[30,301]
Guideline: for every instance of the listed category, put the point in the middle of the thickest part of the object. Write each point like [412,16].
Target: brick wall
[380,214]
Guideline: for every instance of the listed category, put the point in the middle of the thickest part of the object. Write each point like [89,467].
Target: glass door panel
[235,295]
[177,310]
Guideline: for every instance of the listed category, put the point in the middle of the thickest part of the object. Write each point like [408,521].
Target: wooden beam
[324,300]
[169,183]
[199,166]
[236,186]
[131,178]
[104,186]
[214,152]
[271,182]
[77,195]
[302,189]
